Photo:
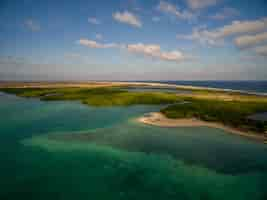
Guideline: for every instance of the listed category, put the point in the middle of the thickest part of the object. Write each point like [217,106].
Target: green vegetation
[228,108]
[104,96]
[232,113]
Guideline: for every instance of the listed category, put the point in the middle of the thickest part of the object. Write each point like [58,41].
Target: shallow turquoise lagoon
[66,150]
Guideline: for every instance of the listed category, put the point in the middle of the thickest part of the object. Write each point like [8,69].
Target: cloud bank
[216,36]
[151,50]
[250,40]
[154,50]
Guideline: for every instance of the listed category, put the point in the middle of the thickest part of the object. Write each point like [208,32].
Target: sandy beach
[158,119]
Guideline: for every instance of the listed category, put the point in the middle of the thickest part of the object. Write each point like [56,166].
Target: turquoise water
[65,150]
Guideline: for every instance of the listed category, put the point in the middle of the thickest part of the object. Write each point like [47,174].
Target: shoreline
[93,84]
[158,119]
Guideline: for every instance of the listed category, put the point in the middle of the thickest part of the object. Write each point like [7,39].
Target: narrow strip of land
[158,119]
[95,84]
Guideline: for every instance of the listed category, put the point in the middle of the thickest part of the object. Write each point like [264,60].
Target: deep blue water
[249,86]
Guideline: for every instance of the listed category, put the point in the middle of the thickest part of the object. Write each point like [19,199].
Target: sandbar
[158,119]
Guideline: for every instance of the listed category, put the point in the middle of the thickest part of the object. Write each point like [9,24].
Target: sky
[133,40]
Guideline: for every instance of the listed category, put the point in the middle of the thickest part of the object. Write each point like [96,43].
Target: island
[180,105]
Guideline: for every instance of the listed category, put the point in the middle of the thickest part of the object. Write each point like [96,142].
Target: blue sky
[133,40]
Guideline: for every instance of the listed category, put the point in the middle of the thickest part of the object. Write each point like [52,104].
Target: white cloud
[154,50]
[250,40]
[173,56]
[216,36]
[150,50]
[127,18]
[225,13]
[169,8]
[238,27]
[261,50]
[93,20]
[32,25]
[199,4]
[94,44]
[99,36]
[201,35]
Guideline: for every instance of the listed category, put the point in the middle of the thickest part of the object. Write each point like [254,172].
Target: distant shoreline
[91,84]
[158,119]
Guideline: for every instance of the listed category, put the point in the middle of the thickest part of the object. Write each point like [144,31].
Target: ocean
[248,86]
[66,150]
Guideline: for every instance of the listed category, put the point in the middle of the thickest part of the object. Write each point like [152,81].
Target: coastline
[158,119]
[93,84]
